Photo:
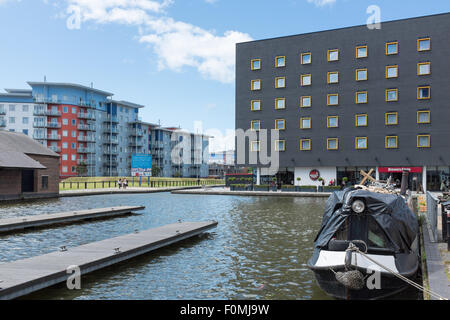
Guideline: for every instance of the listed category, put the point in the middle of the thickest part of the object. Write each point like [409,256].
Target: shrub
[307,187]
[288,186]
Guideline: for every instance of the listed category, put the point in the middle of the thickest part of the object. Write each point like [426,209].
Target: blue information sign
[141,165]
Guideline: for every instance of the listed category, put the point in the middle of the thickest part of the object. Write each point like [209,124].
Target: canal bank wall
[227,192]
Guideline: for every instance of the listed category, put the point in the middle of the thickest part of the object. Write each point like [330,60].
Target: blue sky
[174,56]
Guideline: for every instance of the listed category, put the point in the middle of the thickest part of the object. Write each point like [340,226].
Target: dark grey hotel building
[350,99]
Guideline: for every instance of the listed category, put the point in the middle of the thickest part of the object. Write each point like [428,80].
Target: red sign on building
[399,169]
[314,175]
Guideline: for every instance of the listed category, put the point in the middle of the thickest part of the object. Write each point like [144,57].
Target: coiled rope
[352,247]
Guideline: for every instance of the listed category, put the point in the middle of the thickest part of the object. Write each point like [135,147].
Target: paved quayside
[45,220]
[23,277]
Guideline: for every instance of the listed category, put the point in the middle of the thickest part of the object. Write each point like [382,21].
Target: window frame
[276,103]
[251,145]
[424,135]
[424,39]
[303,76]
[390,43]
[388,90]
[428,63]
[276,125]
[330,51]
[328,77]
[251,105]
[337,121]
[301,144]
[390,67]
[276,61]
[360,92]
[386,142]
[362,69]
[386,118]
[301,123]
[276,82]
[429,92]
[277,144]
[255,121]
[304,54]
[251,64]
[337,144]
[424,111]
[328,99]
[356,143]
[361,115]
[360,47]
[301,102]
[254,81]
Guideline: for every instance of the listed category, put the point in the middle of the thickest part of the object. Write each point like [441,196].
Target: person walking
[125,183]
[119,183]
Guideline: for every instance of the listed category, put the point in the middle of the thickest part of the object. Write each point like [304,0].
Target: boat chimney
[404,186]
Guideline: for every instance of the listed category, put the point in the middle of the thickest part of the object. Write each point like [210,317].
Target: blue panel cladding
[16,99]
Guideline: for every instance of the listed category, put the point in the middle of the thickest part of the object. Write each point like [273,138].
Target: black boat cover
[389,210]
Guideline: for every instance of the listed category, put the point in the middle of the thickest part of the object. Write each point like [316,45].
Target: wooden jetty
[45,220]
[22,277]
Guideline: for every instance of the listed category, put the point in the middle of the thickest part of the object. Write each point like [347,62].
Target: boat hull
[390,285]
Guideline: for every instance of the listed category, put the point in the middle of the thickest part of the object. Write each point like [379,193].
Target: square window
[305,144]
[361,120]
[255,64]
[64,169]
[306,58]
[361,97]
[255,125]
[64,157]
[65,109]
[280,82]
[391,48]
[333,55]
[391,142]
[332,144]
[256,84]
[361,143]
[255,105]
[74,110]
[254,146]
[332,121]
[280,145]
[65,121]
[391,95]
[391,72]
[423,68]
[423,93]
[280,61]
[305,80]
[333,77]
[305,123]
[423,117]
[280,124]
[391,118]
[305,102]
[65,133]
[280,103]
[361,74]
[423,141]
[333,99]
[361,52]
[424,44]
[64,145]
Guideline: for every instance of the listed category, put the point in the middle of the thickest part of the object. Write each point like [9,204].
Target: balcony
[40,124]
[110,151]
[87,116]
[88,162]
[2,111]
[113,163]
[2,123]
[56,125]
[111,140]
[134,143]
[54,137]
[111,119]
[86,127]
[86,150]
[88,104]
[136,132]
[109,130]
[55,149]
[86,139]
[39,136]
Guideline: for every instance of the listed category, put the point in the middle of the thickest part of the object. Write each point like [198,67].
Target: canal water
[258,251]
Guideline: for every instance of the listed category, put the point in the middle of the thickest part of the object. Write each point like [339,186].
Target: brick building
[27,169]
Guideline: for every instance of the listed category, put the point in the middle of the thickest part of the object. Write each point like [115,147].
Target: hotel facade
[350,99]
[96,134]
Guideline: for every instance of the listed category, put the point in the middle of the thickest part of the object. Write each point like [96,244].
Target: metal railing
[88,116]
[53,137]
[432,213]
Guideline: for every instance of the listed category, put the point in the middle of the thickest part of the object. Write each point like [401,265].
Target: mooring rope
[352,247]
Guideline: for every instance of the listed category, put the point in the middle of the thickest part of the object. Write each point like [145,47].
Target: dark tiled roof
[15,159]
[15,142]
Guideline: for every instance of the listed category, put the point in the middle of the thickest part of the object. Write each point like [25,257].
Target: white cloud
[177,44]
[321,3]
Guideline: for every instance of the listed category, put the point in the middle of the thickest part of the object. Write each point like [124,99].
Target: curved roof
[71,85]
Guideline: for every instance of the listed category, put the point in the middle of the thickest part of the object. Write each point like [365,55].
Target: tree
[82,169]
[156,171]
